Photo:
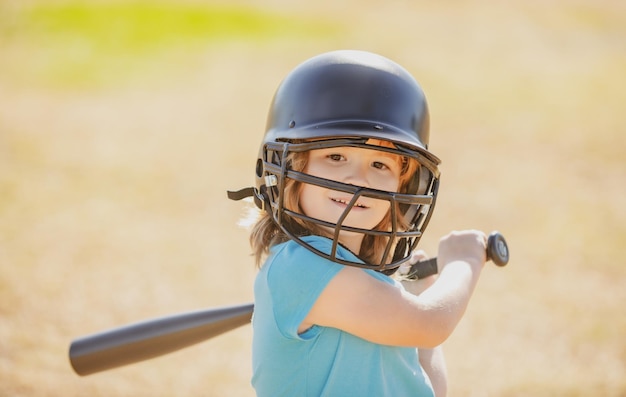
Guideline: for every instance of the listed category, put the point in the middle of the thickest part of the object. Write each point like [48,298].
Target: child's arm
[434,364]
[432,360]
[376,311]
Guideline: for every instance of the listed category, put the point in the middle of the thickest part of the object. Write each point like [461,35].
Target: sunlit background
[123,123]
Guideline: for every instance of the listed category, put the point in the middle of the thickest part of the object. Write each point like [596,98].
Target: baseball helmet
[345,98]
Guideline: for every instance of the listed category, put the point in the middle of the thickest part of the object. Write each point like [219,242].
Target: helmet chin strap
[240,194]
[259,199]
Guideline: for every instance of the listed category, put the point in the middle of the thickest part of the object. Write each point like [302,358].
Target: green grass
[86,45]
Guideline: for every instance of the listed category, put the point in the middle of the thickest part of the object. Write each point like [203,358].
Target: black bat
[152,338]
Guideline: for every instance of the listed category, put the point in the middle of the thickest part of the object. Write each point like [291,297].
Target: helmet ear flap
[418,185]
[422,181]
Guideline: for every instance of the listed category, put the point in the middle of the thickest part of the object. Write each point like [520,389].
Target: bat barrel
[152,338]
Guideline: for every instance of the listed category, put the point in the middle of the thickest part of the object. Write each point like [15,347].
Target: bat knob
[497,249]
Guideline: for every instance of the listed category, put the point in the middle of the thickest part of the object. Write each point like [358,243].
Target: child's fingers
[416,256]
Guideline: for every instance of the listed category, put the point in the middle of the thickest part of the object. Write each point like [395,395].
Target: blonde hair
[266,233]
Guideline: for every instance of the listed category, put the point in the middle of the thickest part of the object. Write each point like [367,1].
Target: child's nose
[357,175]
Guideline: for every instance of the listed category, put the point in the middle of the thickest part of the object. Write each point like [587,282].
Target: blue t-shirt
[322,361]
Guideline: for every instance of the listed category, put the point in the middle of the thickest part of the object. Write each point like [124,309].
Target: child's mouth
[346,202]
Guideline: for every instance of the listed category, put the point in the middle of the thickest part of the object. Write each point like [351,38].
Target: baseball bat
[152,338]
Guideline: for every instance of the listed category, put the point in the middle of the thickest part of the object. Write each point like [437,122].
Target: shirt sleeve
[296,279]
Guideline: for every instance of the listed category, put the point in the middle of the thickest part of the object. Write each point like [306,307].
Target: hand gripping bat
[152,338]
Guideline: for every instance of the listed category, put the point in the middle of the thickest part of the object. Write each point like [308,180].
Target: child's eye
[379,165]
[336,157]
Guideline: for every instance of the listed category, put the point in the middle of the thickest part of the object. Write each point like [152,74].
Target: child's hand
[416,256]
[466,246]
[417,286]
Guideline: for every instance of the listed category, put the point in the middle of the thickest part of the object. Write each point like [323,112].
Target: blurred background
[123,123]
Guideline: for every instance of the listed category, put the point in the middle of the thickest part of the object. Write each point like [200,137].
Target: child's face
[357,166]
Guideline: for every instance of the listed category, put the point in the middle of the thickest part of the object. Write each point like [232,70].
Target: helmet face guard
[414,207]
[345,98]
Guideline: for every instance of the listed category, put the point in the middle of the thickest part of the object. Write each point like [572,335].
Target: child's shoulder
[290,265]
[293,250]
[292,254]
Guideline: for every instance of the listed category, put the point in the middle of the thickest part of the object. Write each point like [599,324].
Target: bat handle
[497,252]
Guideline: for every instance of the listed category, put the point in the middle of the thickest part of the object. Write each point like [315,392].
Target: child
[346,186]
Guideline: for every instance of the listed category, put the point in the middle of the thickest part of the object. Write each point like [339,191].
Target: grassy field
[122,125]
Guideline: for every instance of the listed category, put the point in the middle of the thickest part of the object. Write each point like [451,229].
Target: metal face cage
[414,205]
